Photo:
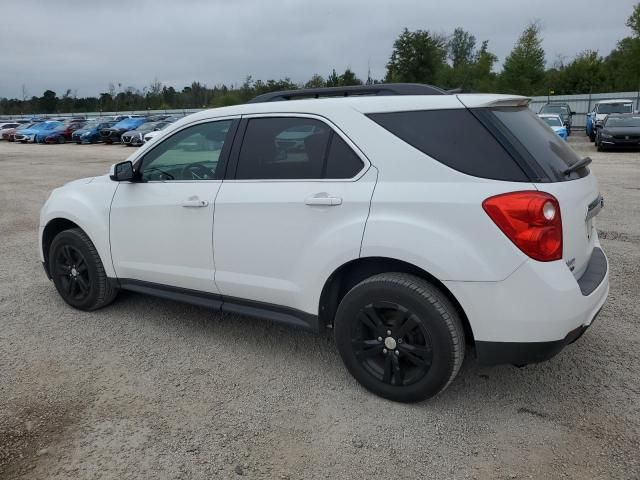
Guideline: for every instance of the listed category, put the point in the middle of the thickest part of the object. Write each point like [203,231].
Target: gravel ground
[148,388]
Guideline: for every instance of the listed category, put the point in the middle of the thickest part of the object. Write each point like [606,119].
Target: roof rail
[355,90]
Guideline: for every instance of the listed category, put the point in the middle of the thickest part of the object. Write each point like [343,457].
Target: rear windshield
[455,138]
[544,152]
[554,109]
[622,107]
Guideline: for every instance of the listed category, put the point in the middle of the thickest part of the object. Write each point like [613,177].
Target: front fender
[86,203]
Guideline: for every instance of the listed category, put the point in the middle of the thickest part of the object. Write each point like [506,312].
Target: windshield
[622,107]
[623,122]
[552,121]
[555,109]
[147,127]
[129,123]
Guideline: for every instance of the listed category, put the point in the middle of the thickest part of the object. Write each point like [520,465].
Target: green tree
[48,102]
[333,80]
[349,78]
[583,74]
[417,57]
[316,81]
[523,70]
[461,48]
[623,63]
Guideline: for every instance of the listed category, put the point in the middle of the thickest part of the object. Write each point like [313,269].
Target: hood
[621,130]
[80,181]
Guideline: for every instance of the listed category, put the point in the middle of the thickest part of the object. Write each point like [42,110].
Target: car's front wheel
[400,337]
[77,271]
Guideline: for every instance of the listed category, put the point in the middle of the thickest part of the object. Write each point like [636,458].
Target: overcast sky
[86,44]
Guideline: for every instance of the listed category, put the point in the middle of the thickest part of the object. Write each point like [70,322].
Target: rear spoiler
[493,101]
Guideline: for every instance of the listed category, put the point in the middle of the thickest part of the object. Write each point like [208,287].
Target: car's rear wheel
[400,337]
[77,271]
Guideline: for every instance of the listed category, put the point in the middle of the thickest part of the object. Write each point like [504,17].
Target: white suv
[413,222]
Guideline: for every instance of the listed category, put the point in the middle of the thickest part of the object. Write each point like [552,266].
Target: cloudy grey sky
[86,44]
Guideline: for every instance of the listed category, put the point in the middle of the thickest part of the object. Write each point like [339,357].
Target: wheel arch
[51,229]
[353,272]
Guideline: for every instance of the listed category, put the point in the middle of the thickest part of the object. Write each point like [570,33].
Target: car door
[292,209]
[161,227]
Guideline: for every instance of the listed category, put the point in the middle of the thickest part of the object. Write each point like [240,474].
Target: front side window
[278,148]
[190,154]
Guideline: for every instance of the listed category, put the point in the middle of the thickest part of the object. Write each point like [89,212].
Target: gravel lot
[148,388]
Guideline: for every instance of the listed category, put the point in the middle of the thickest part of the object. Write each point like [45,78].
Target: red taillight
[531,220]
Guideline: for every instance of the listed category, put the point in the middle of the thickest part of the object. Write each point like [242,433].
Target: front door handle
[195,203]
[323,199]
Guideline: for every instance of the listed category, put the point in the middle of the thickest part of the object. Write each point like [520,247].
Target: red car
[61,134]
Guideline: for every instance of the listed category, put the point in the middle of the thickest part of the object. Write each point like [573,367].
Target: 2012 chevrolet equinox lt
[413,222]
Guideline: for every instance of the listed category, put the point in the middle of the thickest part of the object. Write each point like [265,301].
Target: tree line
[455,61]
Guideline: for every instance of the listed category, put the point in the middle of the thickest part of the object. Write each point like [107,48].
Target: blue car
[29,134]
[90,133]
[556,124]
[114,133]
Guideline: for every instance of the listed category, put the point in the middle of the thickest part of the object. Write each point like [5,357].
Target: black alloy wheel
[399,336]
[72,273]
[392,344]
[77,271]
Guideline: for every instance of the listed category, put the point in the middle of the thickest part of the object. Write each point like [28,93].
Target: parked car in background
[54,136]
[29,134]
[10,134]
[619,130]
[113,134]
[556,124]
[6,127]
[603,108]
[61,134]
[90,131]
[563,110]
[135,138]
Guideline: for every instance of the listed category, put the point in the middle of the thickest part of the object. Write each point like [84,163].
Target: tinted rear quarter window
[455,138]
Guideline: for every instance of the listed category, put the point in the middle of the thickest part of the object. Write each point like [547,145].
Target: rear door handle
[323,200]
[191,203]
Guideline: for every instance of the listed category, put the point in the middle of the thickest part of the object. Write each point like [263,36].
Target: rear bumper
[531,315]
[524,353]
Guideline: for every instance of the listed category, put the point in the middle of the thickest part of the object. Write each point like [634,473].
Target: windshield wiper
[578,165]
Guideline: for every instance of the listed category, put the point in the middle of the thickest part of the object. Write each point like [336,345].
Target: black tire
[592,137]
[61,140]
[424,350]
[78,273]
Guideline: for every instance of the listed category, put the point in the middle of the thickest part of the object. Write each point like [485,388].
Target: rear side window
[294,148]
[455,138]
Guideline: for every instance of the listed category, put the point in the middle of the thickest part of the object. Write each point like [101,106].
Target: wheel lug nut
[379,339]
[388,332]
[399,340]
[397,352]
[384,350]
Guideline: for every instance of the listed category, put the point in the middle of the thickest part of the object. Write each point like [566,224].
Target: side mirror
[572,112]
[122,172]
